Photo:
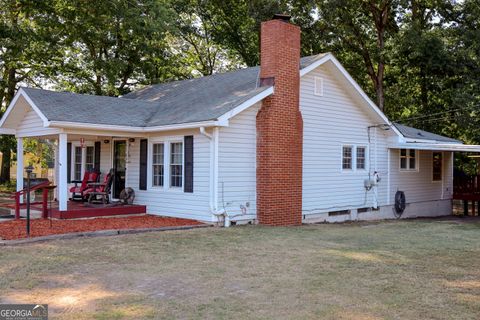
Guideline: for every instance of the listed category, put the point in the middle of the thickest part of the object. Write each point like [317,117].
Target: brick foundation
[280,128]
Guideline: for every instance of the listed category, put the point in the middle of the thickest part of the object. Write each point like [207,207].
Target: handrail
[36,187]
[23,191]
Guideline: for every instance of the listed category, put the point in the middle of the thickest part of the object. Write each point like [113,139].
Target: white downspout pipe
[214,175]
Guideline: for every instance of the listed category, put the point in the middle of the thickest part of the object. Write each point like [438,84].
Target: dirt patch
[16,229]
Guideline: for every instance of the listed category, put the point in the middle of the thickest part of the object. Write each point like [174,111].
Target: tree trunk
[6,159]
[8,142]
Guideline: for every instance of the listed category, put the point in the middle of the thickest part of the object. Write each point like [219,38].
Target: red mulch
[16,229]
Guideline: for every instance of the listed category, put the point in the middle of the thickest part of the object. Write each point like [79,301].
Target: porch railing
[41,186]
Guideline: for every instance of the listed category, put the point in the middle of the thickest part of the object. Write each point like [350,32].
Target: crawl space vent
[338,213]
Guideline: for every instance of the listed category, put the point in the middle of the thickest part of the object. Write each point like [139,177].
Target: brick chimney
[280,126]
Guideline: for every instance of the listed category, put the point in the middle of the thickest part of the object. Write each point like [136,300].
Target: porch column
[62,172]
[20,166]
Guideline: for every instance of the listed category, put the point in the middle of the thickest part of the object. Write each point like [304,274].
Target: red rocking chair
[100,192]
[78,191]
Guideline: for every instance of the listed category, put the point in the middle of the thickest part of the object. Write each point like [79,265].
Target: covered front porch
[77,148]
[75,156]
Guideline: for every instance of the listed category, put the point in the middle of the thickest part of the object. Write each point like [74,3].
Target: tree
[193,41]
[26,45]
[362,29]
[109,45]
[236,24]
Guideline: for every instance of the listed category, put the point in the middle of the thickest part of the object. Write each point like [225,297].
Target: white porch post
[20,166]
[62,172]
[56,170]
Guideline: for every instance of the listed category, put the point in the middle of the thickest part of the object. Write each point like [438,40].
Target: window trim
[354,147]
[93,156]
[365,157]
[167,140]
[441,165]
[163,164]
[417,162]
[170,164]
[84,158]
[352,157]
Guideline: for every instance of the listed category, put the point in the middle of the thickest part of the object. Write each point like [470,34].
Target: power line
[437,113]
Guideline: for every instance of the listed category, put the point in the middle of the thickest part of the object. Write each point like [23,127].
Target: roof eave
[127,129]
[455,147]
[32,104]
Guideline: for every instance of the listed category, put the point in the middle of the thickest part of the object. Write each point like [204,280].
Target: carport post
[62,172]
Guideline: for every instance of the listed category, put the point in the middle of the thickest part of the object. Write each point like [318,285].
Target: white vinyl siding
[32,125]
[418,185]
[173,201]
[330,122]
[237,165]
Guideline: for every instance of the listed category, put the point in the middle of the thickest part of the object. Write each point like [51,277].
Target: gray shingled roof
[84,108]
[199,99]
[412,133]
[194,100]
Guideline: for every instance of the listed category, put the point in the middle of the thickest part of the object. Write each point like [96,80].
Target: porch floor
[77,209]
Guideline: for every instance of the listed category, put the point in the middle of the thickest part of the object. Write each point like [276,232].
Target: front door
[119,169]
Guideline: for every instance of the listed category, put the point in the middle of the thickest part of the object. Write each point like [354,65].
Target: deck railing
[41,186]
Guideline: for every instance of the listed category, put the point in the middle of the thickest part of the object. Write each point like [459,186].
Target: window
[89,162]
[318,86]
[361,157]
[157,163]
[437,166]
[176,164]
[347,157]
[77,164]
[408,159]
[82,160]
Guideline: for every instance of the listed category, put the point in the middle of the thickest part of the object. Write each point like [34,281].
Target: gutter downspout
[214,175]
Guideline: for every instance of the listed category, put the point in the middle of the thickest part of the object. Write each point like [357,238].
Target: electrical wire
[467,108]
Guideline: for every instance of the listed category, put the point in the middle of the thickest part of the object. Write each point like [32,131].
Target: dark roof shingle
[413,133]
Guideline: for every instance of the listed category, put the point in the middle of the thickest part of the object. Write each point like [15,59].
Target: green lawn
[389,270]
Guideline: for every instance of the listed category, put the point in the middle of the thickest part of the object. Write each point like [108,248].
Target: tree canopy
[418,59]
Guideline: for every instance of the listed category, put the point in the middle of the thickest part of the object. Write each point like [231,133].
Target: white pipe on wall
[214,175]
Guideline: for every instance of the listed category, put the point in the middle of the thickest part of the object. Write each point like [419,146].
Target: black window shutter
[69,162]
[98,146]
[188,143]
[143,164]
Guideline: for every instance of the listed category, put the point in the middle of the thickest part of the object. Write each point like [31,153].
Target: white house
[292,140]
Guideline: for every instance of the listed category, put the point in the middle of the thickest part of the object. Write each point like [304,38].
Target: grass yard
[419,269]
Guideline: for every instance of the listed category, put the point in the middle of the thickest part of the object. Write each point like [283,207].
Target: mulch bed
[16,229]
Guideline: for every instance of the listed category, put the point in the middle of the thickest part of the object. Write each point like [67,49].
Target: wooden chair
[100,192]
[78,191]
